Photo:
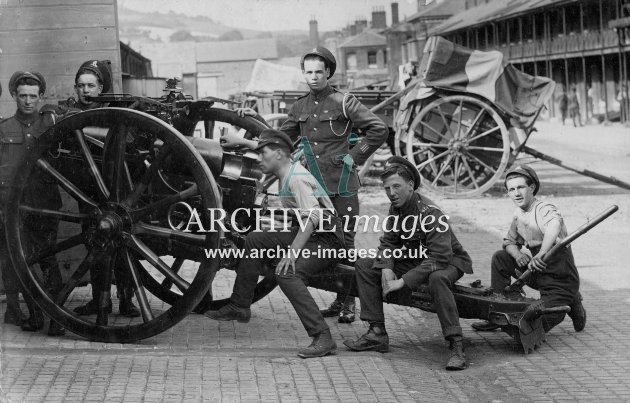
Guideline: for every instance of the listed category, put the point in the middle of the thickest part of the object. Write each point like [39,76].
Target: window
[371,55]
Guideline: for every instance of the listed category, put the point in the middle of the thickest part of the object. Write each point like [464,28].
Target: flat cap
[526,172]
[325,54]
[400,162]
[271,136]
[101,69]
[18,75]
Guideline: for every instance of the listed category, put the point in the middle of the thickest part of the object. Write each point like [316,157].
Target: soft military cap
[526,172]
[101,69]
[400,162]
[18,75]
[324,54]
[271,136]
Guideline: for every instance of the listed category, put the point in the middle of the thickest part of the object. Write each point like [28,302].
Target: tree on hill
[233,35]
[181,35]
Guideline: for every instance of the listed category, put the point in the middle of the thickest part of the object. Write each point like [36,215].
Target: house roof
[364,39]
[444,8]
[209,52]
[491,11]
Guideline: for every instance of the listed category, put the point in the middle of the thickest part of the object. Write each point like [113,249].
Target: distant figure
[562,105]
[574,108]
[622,98]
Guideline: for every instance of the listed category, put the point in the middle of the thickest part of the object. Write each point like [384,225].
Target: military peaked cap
[271,136]
[325,54]
[18,75]
[400,162]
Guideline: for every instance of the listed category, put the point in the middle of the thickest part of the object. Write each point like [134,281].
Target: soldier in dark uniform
[428,250]
[17,135]
[92,79]
[324,119]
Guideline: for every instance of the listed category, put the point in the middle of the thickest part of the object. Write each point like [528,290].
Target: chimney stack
[394,13]
[379,18]
[361,25]
[314,35]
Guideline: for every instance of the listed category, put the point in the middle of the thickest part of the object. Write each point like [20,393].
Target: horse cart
[131,177]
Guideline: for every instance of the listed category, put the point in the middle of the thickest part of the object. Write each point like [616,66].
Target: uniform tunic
[327,122]
[445,263]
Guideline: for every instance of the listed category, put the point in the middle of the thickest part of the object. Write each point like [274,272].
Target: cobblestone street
[203,360]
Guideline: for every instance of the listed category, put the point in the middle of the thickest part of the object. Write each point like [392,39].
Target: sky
[276,15]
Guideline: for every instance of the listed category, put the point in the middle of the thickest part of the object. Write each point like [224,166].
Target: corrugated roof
[365,38]
[492,11]
[212,52]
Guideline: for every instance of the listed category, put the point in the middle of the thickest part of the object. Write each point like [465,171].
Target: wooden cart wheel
[112,214]
[459,144]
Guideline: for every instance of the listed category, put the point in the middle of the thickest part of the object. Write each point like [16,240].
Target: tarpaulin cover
[269,77]
[449,66]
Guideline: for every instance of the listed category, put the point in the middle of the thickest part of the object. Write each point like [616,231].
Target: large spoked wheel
[107,218]
[459,144]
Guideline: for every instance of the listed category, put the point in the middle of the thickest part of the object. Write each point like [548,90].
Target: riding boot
[14,315]
[126,307]
[35,321]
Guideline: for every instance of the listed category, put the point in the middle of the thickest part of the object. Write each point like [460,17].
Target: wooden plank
[57,17]
[34,3]
[55,63]
[44,41]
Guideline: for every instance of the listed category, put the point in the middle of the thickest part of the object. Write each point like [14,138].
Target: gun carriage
[129,177]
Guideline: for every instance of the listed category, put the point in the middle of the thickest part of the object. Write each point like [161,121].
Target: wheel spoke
[138,214]
[146,178]
[448,127]
[456,173]
[61,215]
[470,174]
[443,169]
[177,265]
[494,129]
[488,167]
[141,295]
[119,171]
[432,159]
[425,124]
[459,122]
[430,145]
[74,279]
[74,191]
[166,233]
[479,115]
[59,247]
[140,247]
[492,149]
[96,175]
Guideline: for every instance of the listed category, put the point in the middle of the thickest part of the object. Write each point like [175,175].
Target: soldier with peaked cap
[17,135]
[301,193]
[430,253]
[537,225]
[326,120]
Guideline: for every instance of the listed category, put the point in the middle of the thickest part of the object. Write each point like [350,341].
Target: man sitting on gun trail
[301,192]
[431,252]
[539,226]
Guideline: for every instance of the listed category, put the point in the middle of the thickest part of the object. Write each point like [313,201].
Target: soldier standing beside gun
[92,79]
[17,135]
[324,118]
[539,226]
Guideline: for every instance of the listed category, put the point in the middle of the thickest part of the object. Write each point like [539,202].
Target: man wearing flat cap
[17,135]
[327,120]
[537,225]
[300,192]
[417,246]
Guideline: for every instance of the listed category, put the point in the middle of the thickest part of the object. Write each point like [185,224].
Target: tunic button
[317,156]
[28,134]
[314,115]
[315,129]
[316,103]
[315,143]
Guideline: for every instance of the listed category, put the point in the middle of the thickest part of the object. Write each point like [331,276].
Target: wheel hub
[112,224]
